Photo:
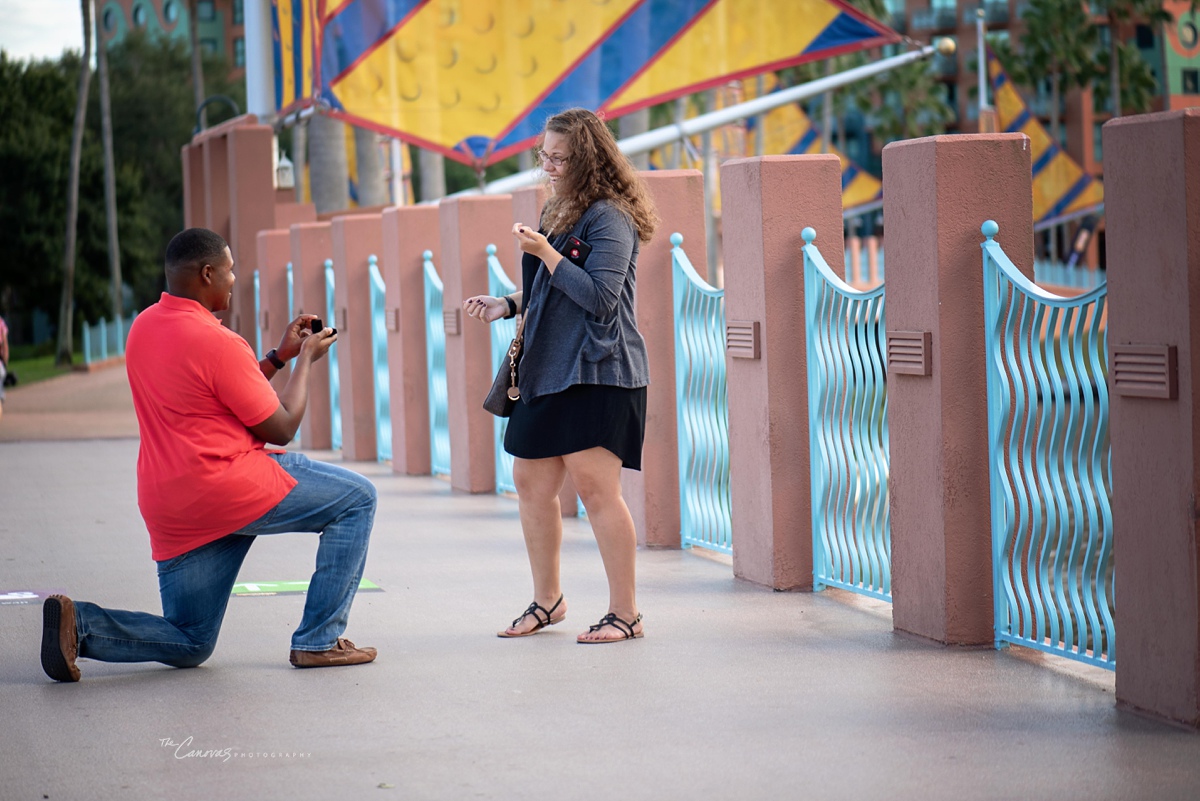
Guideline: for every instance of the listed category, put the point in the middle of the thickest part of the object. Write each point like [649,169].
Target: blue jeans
[195,587]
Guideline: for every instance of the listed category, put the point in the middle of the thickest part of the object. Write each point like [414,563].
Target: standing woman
[583,371]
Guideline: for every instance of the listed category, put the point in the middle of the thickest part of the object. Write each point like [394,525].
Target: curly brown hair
[596,170]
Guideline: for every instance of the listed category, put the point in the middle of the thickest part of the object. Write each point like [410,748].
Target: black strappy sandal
[543,616]
[622,626]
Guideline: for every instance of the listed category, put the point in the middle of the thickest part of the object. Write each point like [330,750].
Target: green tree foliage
[912,104]
[153,117]
[1120,55]
[1136,82]
[1058,47]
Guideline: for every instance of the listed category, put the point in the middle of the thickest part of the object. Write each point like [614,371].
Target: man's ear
[206,274]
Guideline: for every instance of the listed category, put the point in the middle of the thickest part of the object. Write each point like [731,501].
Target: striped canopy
[476,79]
[1060,186]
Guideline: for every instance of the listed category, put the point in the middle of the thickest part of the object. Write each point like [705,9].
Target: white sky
[40,28]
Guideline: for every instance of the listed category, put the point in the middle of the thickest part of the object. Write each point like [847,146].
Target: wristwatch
[274,359]
[512,308]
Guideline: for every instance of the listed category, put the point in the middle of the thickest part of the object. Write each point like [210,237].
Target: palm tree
[1136,82]
[327,169]
[847,97]
[66,335]
[1057,47]
[372,189]
[913,104]
[110,181]
[1117,12]
[197,61]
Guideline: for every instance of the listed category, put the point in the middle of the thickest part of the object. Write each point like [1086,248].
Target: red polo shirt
[196,388]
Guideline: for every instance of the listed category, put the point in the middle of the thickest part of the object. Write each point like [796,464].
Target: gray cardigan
[580,326]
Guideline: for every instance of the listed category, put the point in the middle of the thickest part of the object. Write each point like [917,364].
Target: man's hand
[297,331]
[314,346]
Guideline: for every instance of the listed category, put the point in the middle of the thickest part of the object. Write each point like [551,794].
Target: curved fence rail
[379,360]
[848,431]
[435,360]
[1050,464]
[335,381]
[503,332]
[703,408]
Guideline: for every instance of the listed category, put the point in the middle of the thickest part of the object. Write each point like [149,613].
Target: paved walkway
[736,691]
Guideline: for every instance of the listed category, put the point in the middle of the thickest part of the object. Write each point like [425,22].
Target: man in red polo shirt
[207,485]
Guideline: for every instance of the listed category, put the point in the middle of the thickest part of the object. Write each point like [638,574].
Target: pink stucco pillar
[194,182]
[356,237]
[937,192]
[653,492]
[408,231]
[251,184]
[468,226]
[273,254]
[288,214]
[215,149]
[770,479]
[312,244]
[1152,205]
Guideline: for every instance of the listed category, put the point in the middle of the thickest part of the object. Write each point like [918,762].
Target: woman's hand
[536,244]
[486,308]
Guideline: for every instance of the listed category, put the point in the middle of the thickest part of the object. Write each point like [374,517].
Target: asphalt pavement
[735,692]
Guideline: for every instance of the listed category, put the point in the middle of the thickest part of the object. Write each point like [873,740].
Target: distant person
[583,370]
[207,486]
[4,382]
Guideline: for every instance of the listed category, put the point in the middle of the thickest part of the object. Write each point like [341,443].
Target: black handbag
[504,393]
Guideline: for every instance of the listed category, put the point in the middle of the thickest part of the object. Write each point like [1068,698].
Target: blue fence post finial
[372,260]
[427,255]
[989,229]
[676,239]
[491,250]
[328,263]
[809,235]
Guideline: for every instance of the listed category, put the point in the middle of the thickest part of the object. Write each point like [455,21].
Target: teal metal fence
[848,430]
[1050,462]
[379,361]
[860,273]
[105,339]
[702,407]
[435,359]
[503,332]
[335,381]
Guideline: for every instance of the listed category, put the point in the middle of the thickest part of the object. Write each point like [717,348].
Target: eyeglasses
[545,157]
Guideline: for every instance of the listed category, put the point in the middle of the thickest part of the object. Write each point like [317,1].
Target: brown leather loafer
[344,653]
[60,639]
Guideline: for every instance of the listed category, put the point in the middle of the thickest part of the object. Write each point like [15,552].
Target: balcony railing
[937,19]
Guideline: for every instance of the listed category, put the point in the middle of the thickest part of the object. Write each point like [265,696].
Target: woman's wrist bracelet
[512,308]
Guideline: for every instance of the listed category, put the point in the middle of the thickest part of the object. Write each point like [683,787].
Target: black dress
[580,417]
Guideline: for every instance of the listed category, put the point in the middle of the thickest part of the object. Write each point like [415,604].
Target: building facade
[1173,55]
[220,25]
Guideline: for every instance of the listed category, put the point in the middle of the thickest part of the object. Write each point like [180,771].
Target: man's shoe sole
[53,661]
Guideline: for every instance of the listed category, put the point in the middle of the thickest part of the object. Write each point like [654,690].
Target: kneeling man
[207,486]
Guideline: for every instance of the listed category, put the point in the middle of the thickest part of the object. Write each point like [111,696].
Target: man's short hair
[194,248]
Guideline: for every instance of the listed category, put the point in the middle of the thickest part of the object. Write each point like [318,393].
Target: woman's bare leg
[597,476]
[538,482]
